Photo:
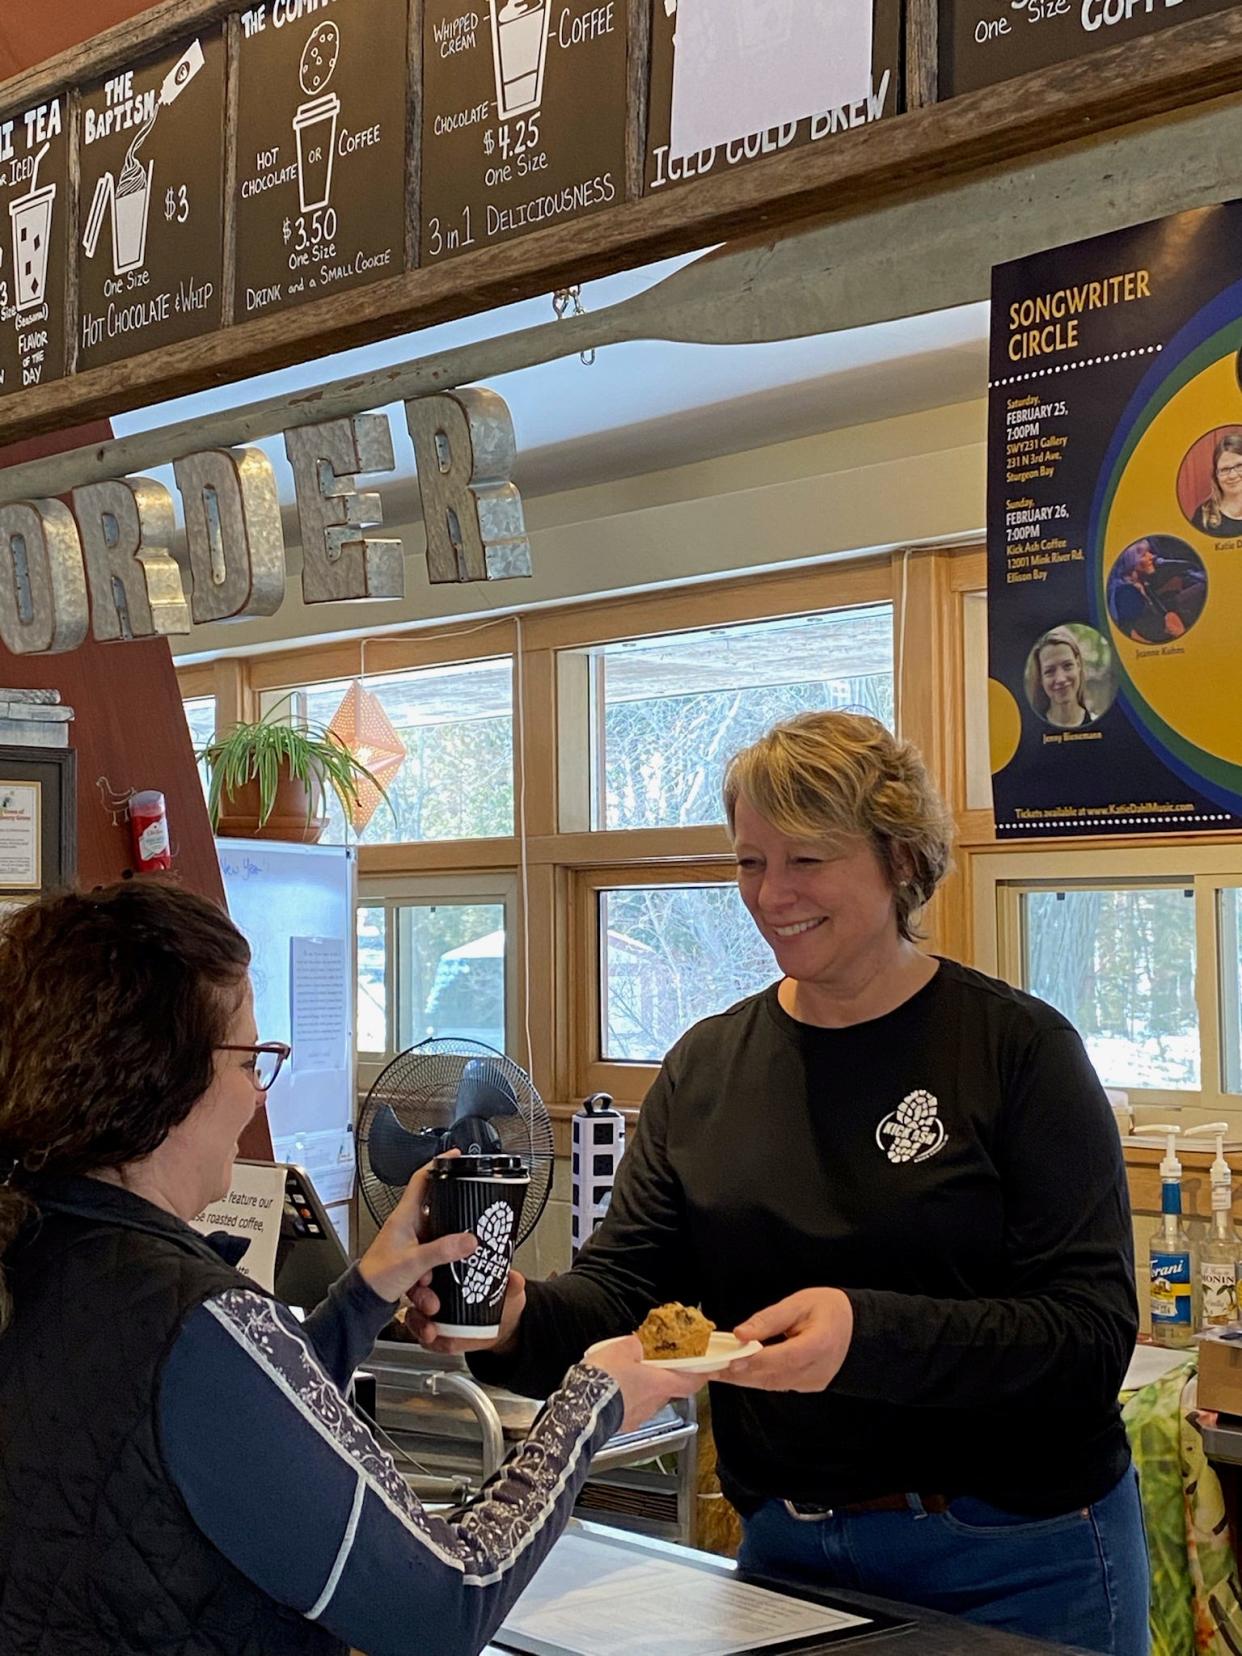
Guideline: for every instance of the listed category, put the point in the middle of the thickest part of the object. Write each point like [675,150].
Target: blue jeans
[1078,1579]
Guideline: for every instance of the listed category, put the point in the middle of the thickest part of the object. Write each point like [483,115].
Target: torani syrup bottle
[1171,1262]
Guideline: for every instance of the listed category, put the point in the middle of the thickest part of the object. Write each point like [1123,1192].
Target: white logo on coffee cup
[483,1276]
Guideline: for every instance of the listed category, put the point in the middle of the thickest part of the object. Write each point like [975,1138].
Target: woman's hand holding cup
[399,1260]
[425,1304]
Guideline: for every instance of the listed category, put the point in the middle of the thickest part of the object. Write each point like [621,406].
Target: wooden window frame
[627,1082]
[1001,878]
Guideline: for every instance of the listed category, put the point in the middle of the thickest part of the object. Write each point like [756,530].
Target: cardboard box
[1220,1373]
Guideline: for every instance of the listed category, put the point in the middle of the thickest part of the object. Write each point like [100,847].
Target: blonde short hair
[828,777]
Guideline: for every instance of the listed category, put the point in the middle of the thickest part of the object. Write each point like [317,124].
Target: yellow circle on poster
[1187,680]
[1004,725]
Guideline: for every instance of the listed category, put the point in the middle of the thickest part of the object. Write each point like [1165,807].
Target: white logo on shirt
[914,1131]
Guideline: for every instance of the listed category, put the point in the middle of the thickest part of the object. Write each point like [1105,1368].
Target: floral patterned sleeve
[285,1479]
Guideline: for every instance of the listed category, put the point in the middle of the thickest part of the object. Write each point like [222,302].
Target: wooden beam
[922,52]
[915,153]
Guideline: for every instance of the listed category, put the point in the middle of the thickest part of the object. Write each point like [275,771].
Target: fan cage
[420,1086]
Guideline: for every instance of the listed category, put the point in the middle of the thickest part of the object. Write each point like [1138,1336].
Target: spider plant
[265,751]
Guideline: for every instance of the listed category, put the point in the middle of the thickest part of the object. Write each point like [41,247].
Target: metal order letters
[109,562]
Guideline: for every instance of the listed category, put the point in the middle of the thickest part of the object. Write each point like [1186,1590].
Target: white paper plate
[722,1349]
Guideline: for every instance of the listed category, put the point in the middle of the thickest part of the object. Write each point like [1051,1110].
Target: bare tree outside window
[670,955]
[456,781]
[676,708]
[1120,964]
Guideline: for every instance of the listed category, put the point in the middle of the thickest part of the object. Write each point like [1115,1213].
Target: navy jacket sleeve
[282,1476]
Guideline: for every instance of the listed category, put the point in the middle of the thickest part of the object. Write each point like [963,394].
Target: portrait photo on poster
[1209,483]
[1156,590]
[1071,676]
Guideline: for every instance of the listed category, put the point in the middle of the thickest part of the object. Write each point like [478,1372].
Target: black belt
[878,1503]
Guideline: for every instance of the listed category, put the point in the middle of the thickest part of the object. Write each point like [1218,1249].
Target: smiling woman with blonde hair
[864,1166]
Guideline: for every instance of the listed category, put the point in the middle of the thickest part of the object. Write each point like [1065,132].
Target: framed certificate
[38,821]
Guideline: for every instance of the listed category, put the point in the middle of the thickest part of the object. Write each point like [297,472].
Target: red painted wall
[31,34]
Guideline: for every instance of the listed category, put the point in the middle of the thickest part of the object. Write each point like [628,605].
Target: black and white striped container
[483,1194]
[598,1145]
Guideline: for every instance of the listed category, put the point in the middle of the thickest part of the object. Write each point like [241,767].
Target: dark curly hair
[113,1003]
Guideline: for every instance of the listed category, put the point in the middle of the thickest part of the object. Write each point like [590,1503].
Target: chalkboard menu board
[150,232]
[985,41]
[320,151]
[716,63]
[523,121]
[34,210]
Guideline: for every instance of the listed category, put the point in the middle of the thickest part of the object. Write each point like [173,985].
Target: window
[200,715]
[456,723]
[1140,948]
[434,959]
[1120,964]
[667,712]
[670,955]
[1229,920]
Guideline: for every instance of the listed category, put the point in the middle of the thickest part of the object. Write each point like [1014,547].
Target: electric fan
[451,1094]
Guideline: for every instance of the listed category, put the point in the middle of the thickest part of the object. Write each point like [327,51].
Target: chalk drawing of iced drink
[314,123]
[31,219]
[519,47]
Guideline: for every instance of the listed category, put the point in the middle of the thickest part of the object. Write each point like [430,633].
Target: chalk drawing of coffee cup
[314,122]
[519,50]
[130,198]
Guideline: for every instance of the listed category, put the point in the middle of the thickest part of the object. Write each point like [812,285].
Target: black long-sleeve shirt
[955,1168]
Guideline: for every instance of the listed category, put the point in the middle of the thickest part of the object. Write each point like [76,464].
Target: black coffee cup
[485,1195]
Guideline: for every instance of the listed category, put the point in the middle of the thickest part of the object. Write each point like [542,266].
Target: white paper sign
[745,66]
[19,834]
[319,993]
[252,1210]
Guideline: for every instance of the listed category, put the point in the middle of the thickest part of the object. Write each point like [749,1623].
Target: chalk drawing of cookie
[319,57]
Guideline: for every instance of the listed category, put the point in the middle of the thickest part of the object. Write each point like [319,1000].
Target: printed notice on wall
[320,196]
[741,68]
[34,213]
[319,994]
[150,235]
[251,1210]
[523,118]
[732,82]
[20,835]
[1115,532]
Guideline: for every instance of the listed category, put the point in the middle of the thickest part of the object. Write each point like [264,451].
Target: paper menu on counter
[594,1599]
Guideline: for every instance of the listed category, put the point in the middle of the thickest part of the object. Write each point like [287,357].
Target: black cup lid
[478,1167]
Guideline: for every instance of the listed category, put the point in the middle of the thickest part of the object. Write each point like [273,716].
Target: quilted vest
[98,1554]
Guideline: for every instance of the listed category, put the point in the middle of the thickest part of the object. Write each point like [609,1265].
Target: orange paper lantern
[366,730]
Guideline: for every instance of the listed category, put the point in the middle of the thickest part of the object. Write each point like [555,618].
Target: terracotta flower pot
[297,813]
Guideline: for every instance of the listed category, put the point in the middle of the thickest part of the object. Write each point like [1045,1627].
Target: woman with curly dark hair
[180,1470]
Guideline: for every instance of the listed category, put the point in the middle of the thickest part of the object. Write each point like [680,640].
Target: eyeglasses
[269,1059]
[1229,471]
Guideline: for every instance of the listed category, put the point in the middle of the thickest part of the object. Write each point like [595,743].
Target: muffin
[675,1331]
